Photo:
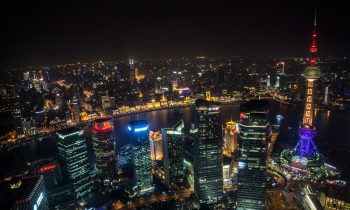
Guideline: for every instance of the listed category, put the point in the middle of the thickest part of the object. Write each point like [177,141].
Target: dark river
[333,134]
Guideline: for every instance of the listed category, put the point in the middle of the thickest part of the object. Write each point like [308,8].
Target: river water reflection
[333,133]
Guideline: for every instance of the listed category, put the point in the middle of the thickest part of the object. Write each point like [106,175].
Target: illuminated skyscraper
[280,78]
[51,172]
[75,110]
[305,147]
[277,82]
[107,102]
[208,183]
[74,160]
[155,138]
[58,100]
[141,155]
[173,144]
[174,84]
[132,70]
[326,96]
[227,169]
[105,150]
[24,193]
[117,75]
[26,75]
[230,139]
[207,95]
[229,149]
[254,134]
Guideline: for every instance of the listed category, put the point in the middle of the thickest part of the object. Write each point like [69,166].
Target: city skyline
[47,34]
[192,132]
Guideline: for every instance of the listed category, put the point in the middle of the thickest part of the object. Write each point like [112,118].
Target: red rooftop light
[242,116]
[102,127]
[46,168]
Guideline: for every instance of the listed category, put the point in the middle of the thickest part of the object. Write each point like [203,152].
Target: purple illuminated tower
[306,148]
[304,161]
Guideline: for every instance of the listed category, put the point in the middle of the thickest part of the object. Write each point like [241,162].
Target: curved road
[279,174]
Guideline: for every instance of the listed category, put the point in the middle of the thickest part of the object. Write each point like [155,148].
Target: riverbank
[332,132]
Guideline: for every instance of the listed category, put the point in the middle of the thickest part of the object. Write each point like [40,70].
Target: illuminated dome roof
[230,124]
[312,72]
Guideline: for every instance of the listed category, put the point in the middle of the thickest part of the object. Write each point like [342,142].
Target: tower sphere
[312,72]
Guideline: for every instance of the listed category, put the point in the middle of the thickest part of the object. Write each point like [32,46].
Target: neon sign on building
[47,168]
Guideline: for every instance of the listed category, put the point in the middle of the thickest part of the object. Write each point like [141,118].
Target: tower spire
[313,47]
[315,18]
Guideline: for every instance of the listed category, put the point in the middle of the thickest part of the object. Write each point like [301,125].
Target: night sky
[52,32]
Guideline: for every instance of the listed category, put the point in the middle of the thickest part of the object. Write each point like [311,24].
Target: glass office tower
[208,181]
[141,155]
[74,160]
[105,150]
[254,134]
[173,160]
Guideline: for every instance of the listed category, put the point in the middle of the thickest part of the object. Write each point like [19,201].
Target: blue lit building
[141,155]
[73,160]
[254,134]
[208,180]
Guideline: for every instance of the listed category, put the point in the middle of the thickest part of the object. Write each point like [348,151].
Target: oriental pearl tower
[305,148]
[304,161]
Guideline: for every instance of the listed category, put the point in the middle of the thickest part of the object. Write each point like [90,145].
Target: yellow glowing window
[308,99]
[307,120]
[310,84]
[308,106]
[307,114]
[309,91]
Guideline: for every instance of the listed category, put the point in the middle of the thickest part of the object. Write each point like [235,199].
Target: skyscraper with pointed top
[230,138]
